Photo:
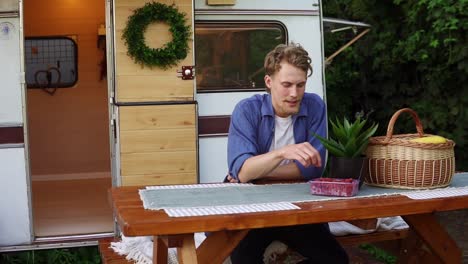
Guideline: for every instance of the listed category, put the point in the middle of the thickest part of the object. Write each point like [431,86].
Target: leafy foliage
[414,56]
[379,254]
[349,139]
[171,52]
[84,255]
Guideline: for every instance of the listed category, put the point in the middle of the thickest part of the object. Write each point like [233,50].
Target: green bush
[81,255]
[414,56]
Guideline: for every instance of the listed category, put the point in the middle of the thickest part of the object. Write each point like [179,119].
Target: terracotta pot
[355,168]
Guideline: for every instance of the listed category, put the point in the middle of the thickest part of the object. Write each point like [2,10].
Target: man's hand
[232,179]
[303,153]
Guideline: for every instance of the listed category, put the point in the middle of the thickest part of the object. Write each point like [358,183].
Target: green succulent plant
[348,139]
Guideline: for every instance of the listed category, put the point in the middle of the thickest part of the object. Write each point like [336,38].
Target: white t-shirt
[284,134]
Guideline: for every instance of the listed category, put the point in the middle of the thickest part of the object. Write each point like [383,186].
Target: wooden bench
[373,237]
[370,224]
[108,255]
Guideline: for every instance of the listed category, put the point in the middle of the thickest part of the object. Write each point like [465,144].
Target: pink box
[334,187]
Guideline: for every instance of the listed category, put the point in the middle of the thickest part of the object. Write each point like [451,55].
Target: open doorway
[67,114]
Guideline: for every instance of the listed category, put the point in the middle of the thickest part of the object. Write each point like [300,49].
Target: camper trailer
[79,115]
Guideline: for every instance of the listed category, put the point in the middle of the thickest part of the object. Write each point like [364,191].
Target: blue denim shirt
[252,130]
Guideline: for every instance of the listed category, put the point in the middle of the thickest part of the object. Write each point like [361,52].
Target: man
[271,137]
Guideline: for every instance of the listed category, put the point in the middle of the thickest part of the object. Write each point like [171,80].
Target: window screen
[51,62]
[229,56]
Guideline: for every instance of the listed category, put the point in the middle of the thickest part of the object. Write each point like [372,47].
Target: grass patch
[83,255]
[379,254]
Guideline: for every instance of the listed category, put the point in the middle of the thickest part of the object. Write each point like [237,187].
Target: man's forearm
[265,166]
[289,171]
[258,166]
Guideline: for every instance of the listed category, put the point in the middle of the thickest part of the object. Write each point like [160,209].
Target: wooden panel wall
[158,144]
[135,83]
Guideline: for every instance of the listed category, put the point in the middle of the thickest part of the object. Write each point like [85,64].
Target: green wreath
[171,52]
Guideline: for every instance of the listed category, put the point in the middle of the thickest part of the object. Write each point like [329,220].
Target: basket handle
[416,119]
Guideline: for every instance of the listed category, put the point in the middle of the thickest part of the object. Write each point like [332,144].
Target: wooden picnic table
[227,230]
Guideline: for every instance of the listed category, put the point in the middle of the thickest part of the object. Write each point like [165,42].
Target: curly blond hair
[292,53]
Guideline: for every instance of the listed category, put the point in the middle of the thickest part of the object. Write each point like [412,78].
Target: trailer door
[154,111]
[15,224]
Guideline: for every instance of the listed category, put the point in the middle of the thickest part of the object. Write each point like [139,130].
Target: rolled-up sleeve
[242,139]
[315,125]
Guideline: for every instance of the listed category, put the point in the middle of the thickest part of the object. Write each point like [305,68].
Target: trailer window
[229,55]
[51,62]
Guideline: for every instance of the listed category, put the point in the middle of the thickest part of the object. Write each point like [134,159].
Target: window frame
[75,51]
[233,23]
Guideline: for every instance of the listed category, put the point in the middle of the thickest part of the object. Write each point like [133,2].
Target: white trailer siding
[15,227]
[10,75]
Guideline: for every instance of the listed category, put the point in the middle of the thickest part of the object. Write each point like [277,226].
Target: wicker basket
[397,162]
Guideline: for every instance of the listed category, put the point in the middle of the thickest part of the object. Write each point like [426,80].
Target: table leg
[435,237]
[219,245]
[414,251]
[160,245]
[186,253]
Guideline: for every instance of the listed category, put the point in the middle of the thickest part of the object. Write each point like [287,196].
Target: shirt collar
[267,108]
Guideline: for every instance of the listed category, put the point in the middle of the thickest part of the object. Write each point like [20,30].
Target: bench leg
[435,237]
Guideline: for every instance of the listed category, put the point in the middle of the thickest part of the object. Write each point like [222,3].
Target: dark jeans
[315,242]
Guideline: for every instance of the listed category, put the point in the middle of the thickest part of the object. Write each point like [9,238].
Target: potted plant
[346,146]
